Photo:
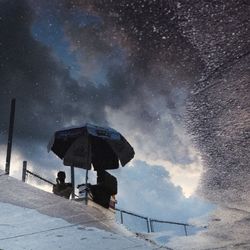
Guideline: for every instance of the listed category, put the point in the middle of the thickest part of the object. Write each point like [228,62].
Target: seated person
[106,187]
[61,188]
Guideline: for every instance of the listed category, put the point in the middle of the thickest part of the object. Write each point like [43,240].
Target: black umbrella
[104,147]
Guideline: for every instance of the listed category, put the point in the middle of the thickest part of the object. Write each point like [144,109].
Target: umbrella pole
[86,182]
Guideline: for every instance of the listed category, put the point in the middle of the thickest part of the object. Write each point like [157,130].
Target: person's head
[61,176]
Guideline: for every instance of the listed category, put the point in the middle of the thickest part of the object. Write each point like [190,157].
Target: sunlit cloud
[176,154]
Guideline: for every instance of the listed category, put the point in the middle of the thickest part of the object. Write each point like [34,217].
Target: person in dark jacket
[61,188]
[106,187]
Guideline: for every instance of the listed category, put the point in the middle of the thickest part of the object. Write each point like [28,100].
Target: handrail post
[151,226]
[73,181]
[148,227]
[86,190]
[121,217]
[185,228]
[10,135]
[24,170]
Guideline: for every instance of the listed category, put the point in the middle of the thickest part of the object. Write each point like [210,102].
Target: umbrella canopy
[104,147]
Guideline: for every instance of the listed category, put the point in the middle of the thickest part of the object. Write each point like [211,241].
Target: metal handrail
[127,212]
[185,225]
[150,221]
[170,222]
[39,177]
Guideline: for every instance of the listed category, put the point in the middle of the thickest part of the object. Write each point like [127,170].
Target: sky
[144,68]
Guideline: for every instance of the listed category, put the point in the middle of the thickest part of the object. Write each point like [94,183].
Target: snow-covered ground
[34,219]
[24,228]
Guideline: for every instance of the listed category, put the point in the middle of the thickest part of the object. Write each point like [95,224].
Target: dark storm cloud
[150,29]
[26,68]
[142,54]
[46,94]
[47,98]
[122,66]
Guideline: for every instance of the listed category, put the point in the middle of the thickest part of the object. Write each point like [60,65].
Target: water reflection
[219,119]
[159,231]
[149,57]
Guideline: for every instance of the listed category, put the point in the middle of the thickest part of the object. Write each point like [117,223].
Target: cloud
[154,121]
[48,98]
[148,190]
[29,73]
[162,141]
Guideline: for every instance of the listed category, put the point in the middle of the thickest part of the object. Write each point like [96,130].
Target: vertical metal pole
[24,170]
[148,227]
[151,226]
[10,136]
[121,217]
[73,181]
[86,183]
[185,228]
